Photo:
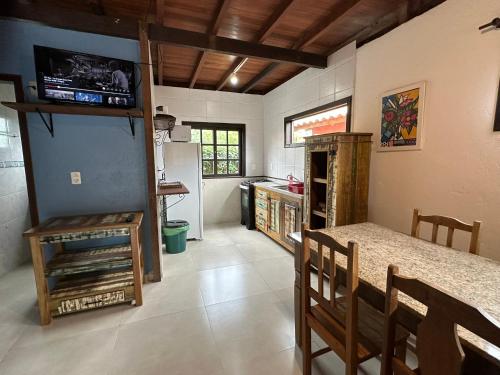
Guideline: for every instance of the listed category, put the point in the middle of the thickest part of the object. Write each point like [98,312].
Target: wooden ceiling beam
[159,64]
[96,6]
[202,56]
[229,46]
[313,33]
[220,11]
[266,30]
[68,19]
[229,72]
[255,80]
[310,35]
[274,20]
[159,52]
[382,25]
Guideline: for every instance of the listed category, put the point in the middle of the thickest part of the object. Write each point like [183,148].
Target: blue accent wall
[112,163]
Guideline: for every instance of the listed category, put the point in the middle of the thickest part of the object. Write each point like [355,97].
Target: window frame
[214,126]
[322,108]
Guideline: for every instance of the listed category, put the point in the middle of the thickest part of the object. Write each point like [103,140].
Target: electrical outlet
[76,178]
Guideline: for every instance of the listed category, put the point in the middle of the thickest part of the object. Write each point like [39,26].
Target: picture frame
[496,124]
[402,118]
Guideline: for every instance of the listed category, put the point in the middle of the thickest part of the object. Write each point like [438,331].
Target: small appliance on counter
[180,133]
[248,202]
[295,185]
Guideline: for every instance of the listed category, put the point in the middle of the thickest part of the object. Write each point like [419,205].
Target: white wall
[457,172]
[310,89]
[14,208]
[221,196]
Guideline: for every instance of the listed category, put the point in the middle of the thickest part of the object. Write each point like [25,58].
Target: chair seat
[370,326]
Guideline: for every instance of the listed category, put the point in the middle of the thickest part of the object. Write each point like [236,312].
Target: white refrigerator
[182,162]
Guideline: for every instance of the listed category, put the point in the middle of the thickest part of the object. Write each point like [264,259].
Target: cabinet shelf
[319,213]
[98,289]
[320,180]
[90,260]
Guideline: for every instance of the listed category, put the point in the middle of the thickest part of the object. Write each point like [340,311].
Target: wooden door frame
[25,142]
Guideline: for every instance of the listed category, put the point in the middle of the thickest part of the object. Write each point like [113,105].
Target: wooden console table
[84,279]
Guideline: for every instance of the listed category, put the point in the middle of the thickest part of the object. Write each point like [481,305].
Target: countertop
[271,185]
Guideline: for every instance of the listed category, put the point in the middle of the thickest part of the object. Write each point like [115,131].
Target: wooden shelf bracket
[132,125]
[50,125]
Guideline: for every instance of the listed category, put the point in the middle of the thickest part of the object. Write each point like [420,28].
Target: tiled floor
[224,307]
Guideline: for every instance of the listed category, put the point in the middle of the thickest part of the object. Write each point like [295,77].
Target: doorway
[17,194]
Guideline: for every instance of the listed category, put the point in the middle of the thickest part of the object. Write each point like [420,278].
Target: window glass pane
[207,136]
[207,152]
[195,135]
[329,121]
[208,167]
[233,137]
[233,152]
[221,137]
[222,167]
[221,152]
[234,167]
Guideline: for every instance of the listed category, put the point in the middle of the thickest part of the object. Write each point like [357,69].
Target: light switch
[76,179]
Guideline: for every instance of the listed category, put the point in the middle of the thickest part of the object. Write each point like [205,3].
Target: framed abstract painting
[402,115]
[496,124]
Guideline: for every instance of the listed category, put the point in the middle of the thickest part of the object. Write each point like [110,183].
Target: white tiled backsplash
[310,89]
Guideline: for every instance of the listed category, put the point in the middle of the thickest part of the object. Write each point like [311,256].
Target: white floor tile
[85,354]
[224,307]
[278,273]
[230,283]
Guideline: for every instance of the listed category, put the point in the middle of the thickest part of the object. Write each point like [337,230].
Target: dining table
[468,277]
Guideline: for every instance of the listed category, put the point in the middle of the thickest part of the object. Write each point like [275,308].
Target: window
[330,118]
[222,148]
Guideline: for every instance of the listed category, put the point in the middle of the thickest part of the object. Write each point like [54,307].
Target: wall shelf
[69,109]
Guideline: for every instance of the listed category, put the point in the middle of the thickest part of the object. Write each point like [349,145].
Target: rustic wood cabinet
[80,279]
[277,214]
[336,179]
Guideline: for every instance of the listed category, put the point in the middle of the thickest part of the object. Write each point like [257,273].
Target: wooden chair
[351,328]
[438,346]
[451,224]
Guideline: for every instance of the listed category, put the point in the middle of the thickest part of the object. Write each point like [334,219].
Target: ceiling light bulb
[234,80]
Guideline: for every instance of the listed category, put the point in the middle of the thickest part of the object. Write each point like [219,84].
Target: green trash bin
[174,236]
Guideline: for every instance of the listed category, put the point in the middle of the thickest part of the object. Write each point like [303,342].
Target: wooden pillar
[149,136]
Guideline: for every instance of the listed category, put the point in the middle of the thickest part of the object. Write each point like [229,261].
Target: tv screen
[75,77]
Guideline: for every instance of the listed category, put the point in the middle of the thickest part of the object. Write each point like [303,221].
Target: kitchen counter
[271,185]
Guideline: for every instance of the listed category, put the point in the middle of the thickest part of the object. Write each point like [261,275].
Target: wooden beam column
[149,137]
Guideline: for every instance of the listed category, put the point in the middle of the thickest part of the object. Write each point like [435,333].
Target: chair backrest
[438,346]
[326,244]
[451,224]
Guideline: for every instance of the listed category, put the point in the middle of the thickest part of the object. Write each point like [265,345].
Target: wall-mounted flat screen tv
[75,77]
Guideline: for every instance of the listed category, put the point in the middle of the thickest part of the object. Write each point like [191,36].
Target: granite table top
[471,278]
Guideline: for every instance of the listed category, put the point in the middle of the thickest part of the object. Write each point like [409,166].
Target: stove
[248,202]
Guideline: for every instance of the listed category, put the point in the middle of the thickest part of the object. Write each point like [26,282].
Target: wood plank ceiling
[315,26]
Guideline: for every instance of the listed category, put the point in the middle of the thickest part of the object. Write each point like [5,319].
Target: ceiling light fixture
[233,79]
